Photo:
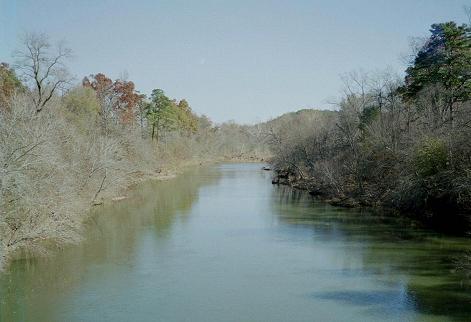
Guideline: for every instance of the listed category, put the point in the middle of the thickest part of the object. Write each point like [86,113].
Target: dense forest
[402,144]
[65,147]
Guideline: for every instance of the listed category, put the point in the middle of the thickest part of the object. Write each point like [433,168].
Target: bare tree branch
[42,68]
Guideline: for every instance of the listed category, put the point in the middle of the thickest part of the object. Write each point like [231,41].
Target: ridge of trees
[400,143]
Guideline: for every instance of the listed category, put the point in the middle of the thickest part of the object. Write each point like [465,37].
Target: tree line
[404,144]
[66,146]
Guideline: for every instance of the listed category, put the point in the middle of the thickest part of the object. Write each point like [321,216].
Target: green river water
[222,244]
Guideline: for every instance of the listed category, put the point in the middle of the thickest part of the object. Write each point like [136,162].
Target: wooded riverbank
[193,241]
[457,225]
[65,147]
[403,144]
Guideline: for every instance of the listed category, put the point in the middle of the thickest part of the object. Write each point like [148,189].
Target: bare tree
[467,11]
[42,67]
[415,45]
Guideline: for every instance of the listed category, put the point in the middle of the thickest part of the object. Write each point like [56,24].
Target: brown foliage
[118,97]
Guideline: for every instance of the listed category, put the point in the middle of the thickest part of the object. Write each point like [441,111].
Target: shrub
[431,157]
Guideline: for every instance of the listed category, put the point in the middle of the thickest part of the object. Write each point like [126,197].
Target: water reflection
[223,244]
[32,286]
[415,267]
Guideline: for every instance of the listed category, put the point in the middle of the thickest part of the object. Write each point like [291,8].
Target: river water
[222,244]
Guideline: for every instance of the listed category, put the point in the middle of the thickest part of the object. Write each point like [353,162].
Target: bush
[431,158]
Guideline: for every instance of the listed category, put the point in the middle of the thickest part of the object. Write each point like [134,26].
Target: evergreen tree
[444,60]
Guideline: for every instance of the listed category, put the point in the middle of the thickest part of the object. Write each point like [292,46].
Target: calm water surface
[223,244]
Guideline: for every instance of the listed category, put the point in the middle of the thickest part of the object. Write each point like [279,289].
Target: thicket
[65,147]
[400,143]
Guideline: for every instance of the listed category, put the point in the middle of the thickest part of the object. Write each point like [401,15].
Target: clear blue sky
[241,60]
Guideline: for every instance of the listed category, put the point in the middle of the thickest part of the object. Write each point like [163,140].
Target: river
[222,244]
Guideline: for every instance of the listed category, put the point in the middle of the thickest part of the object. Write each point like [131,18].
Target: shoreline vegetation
[394,143]
[42,246]
[66,147]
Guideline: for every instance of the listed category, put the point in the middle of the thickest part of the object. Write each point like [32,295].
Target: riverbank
[214,234]
[72,233]
[57,164]
[456,225]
